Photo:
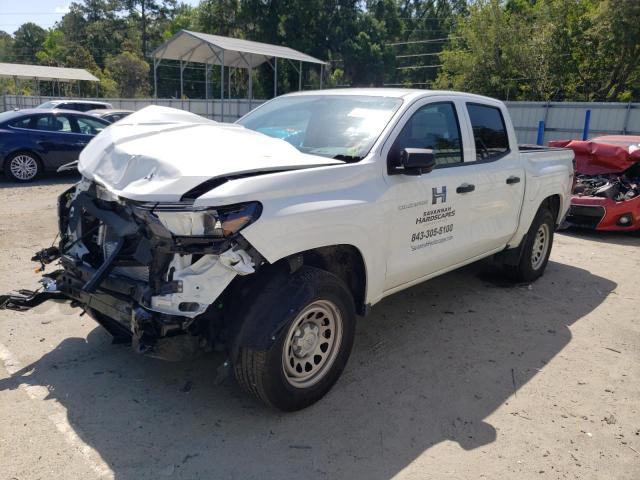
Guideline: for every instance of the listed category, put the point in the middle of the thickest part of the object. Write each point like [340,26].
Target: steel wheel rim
[23,167]
[312,344]
[540,246]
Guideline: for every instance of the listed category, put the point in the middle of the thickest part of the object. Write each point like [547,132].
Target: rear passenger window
[489,131]
[53,123]
[434,126]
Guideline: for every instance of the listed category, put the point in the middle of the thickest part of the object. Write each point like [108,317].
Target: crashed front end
[606,194]
[606,202]
[148,272]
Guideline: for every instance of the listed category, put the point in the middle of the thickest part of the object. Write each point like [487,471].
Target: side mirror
[412,161]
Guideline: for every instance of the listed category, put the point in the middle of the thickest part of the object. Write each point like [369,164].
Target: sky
[45,13]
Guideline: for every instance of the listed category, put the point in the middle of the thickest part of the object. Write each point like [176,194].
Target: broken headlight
[220,222]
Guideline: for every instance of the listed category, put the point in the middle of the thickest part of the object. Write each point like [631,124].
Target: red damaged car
[606,195]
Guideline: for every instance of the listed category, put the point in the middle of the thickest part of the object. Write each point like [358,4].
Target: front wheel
[311,350]
[536,251]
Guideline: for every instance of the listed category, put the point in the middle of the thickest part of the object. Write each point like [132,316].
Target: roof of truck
[389,92]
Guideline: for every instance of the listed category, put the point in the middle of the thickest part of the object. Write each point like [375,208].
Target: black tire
[533,261]
[264,373]
[27,158]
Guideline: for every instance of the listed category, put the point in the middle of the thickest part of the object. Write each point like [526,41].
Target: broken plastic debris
[239,261]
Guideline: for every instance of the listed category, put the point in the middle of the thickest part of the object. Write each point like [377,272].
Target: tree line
[580,50]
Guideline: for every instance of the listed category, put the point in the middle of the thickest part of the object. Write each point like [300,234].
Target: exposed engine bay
[615,187]
[144,271]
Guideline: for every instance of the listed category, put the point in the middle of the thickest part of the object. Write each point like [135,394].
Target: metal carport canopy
[39,72]
[206,48]
[195,47]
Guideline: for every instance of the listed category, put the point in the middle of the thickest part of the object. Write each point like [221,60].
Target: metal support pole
[275,77]
[300,77]
[321,74]
[250,88]
[250,82]
[546,112]
[626,119]
[206,88]
[15,84]
[540,137]
[155,78]
[587,121]
[181,81]
[229,96]
[222,88]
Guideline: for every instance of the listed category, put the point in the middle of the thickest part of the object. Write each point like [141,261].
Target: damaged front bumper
[604,214]
[149,273]
[606,201]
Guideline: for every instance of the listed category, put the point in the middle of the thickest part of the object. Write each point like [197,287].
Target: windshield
[334,126]
[47,105]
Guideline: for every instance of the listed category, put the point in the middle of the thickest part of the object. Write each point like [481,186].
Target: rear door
[54,133]
[497,177]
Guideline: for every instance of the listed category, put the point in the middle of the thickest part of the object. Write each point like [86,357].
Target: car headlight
[220,222]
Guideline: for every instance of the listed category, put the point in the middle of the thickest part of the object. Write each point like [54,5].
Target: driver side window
[89,126]
[434,126]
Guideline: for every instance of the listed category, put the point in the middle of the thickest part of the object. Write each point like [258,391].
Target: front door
[430,224]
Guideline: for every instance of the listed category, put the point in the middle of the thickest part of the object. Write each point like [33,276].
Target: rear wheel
[311,350]
[22,167]
[536,251]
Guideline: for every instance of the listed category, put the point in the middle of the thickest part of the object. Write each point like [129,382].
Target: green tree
[27,41]
[130,72]
[219,17]
[97,25]
[6,47]
[542,50]
[53,51]
[606,54]
[150,14]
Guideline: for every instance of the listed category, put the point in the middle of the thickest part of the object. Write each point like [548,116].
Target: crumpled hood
[596,157]
[160,153]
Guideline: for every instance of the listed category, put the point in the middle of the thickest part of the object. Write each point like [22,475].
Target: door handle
[513,179]
[465,188]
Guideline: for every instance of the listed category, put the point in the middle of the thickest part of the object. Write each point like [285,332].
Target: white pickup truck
[267,237]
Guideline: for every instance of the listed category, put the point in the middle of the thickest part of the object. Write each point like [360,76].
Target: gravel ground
[464,376]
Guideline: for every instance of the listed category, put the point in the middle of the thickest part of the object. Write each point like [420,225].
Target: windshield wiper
[347,158]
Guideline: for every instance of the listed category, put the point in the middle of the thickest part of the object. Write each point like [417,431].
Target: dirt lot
[461,377]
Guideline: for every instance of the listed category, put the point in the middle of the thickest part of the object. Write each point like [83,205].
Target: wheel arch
[345,262]
[553,203]
[512,255]
[22,149]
